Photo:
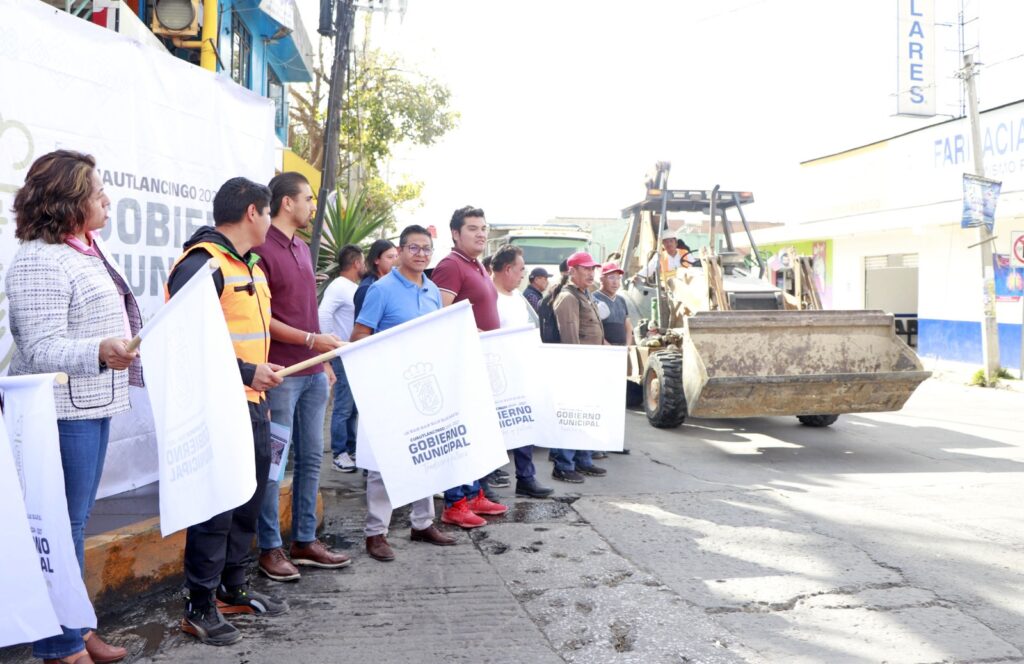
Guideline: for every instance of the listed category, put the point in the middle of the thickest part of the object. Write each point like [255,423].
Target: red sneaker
[460,515]
[480,505]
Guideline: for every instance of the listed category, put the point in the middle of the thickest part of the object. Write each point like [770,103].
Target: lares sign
[916,58]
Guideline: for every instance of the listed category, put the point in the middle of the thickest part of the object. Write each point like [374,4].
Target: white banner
[28,615]
[425,405]
[203,431]
[585,385]
[31,420]
[165,133]
[915,57]
[522,400]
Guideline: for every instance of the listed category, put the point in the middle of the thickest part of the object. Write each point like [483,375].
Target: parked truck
[720,341]
[543,245]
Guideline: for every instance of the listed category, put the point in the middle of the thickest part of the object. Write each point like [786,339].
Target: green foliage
[387,105]
[978,378]
[348,220]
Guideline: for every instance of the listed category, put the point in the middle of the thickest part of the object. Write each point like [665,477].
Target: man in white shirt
[514,311]
[337,314]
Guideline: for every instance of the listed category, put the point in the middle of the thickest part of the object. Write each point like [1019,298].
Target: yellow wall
[293,162]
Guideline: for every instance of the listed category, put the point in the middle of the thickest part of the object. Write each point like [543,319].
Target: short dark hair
[235,196]
[680,243]
[505,255]
[459,216]
[414,229]
[54,199]
[348,255]
[486,262]
[285,184]
[373,255]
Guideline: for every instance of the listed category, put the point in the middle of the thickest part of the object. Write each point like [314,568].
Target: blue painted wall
[961,341]
[261,28]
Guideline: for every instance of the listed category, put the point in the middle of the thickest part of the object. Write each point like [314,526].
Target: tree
[385,105]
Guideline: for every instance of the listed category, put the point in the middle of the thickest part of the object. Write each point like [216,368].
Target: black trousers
[220,549]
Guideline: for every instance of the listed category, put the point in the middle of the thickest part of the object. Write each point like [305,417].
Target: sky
[567,104]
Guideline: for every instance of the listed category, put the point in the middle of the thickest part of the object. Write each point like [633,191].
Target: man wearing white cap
[668,260]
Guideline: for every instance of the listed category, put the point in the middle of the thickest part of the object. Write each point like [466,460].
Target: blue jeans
[300,402]
[83,447]
[566,460]
[343,415]
[455,494]
[523,457]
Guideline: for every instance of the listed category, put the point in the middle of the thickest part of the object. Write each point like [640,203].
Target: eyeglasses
[416,249]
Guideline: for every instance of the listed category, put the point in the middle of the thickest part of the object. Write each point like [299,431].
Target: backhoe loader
[717,340]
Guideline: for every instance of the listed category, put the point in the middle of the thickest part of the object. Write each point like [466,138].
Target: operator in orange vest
[673,254]
[219,551]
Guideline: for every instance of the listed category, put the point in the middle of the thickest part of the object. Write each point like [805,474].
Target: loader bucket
[758,363]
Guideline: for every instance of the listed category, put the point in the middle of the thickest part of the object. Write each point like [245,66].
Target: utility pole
[989,328]
[344,18]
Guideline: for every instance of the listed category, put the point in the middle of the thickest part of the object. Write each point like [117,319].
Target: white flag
[586,386]
[425,404]
[31,420]
[522,400]
[31,617]
[203,432]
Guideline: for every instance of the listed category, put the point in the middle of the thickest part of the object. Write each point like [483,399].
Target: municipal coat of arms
[424,388]
[496,373]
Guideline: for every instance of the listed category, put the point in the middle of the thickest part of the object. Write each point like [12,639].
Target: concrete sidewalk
[539,585]
[125,555]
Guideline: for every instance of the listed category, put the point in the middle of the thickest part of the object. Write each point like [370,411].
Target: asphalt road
[886,538]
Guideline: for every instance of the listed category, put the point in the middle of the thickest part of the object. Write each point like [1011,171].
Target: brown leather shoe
[431,535]
[102,652]
[275,565]
[316,554]
[378,548]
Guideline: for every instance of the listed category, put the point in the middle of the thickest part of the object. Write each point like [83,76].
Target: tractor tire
[634,394]
[817,420]
[664,401]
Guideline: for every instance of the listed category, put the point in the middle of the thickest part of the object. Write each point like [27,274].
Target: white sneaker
[343,463]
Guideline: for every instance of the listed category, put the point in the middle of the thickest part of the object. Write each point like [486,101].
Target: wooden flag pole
[305,364]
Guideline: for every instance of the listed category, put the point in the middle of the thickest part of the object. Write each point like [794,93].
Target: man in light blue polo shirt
[403,294]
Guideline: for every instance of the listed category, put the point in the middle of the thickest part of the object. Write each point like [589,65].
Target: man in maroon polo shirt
[460,276]
[302,399]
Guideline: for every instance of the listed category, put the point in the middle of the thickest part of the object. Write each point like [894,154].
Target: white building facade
[892,211]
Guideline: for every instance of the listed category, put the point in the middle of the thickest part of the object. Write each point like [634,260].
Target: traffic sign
[1017,249]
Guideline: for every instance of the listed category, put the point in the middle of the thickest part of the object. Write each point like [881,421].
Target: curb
[135,559]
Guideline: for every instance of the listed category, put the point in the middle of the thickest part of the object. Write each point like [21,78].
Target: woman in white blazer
[71,311]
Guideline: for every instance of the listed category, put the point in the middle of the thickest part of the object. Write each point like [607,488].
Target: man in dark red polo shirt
[301,400]
[460,276]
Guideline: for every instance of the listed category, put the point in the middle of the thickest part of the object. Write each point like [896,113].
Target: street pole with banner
[989,329]
[1017,260]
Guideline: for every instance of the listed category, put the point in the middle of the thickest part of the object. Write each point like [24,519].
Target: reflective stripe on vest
[245,301]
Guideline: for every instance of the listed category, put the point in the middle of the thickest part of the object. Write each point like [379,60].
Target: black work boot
[203,621]
[244,599]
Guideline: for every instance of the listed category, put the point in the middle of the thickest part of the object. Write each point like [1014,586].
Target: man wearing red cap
[618,329]
[578,323]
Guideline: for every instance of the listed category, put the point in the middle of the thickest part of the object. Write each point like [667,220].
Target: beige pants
[378,508]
